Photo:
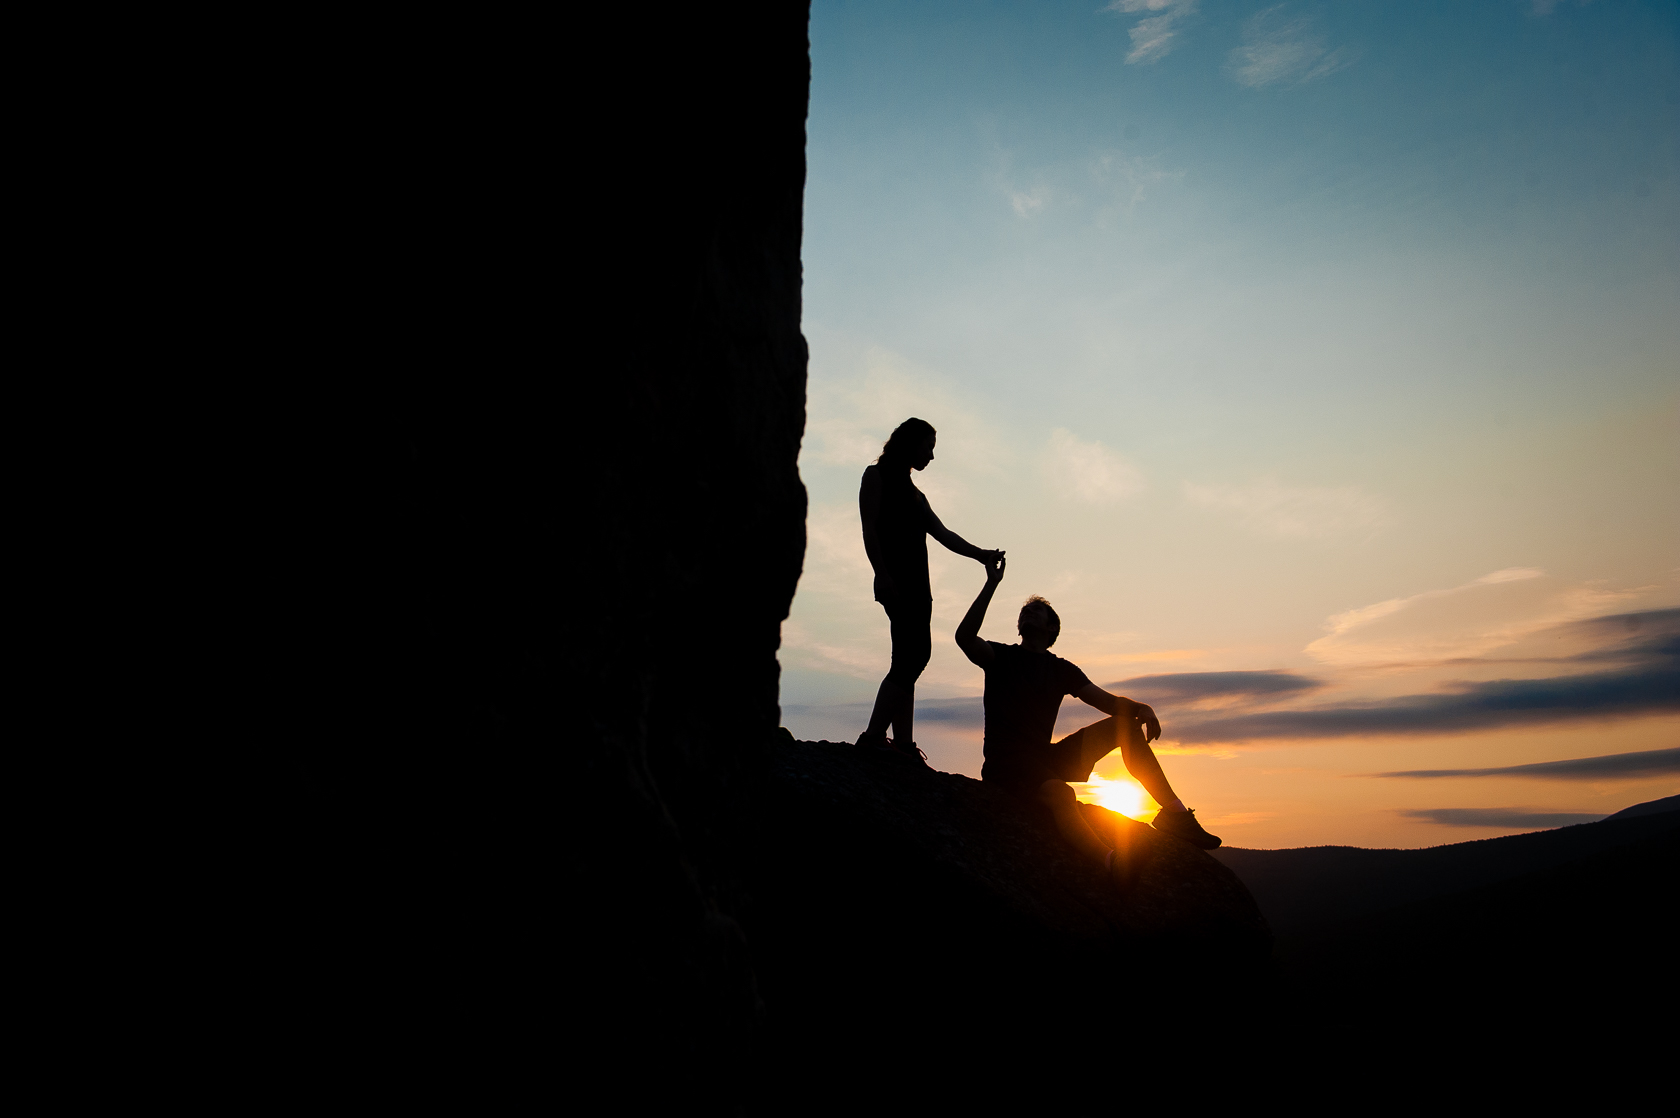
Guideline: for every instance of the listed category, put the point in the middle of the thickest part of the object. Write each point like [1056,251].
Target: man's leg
[1174,818]
[1145,769]
[1123,864]
[1097,741]
[1080,751]
[1064,806]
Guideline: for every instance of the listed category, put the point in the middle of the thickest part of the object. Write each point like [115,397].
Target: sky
[1319,362]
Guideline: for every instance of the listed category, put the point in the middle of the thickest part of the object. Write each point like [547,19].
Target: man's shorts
[1070,759]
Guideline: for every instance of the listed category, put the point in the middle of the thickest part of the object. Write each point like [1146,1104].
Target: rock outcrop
[896,852]
[893,905]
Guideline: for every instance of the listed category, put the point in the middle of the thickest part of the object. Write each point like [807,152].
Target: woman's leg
[904,717]
[888,702]
[912,646]
[895,701]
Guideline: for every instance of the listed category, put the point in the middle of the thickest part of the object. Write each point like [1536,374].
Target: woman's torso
[901,532]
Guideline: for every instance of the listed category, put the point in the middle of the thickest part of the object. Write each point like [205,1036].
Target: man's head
[1039,620]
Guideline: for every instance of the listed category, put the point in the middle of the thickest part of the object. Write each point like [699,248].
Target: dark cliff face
[697,516]
[565,519]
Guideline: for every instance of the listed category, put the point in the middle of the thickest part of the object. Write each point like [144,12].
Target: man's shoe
[1183,825]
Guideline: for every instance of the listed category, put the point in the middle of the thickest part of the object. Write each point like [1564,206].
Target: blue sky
[1339,340]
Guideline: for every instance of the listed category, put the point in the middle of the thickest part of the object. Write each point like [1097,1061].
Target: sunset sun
[1123,796]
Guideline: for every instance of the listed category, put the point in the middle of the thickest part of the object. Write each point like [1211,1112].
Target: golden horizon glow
[1123,795]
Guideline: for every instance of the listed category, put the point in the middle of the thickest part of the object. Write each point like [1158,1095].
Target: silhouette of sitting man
[1024,687]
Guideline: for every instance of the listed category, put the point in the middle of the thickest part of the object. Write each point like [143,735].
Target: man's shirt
[1024,691]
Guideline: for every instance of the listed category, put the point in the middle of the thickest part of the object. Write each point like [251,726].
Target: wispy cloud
[835,561]
[1500,817]
[1645,680]
[1649,687]
[1495,610]
[969,712]
[1347,620]
[1028,190]
[1615,766]
[1152,36]
[1197,686]
[1122,181]
[1303,512]
[956,714]
[1105,184]
[1227,708]
[1278,49]
[1088,471]
[1026,203]
[852,411]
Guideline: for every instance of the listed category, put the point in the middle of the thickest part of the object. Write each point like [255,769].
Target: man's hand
[884,585]
[1145,715]
[968,633]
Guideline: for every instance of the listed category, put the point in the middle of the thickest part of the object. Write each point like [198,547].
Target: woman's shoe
[876,740]
[914,753]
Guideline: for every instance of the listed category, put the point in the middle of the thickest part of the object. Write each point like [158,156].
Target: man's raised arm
[968,633]
[1120,706]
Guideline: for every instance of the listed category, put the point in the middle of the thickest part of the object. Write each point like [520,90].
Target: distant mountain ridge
[1650,807]
[1487,949]
[1310,888]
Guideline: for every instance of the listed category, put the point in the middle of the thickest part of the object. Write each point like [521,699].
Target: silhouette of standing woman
[896,524]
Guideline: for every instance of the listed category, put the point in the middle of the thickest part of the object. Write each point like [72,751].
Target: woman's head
[910,445]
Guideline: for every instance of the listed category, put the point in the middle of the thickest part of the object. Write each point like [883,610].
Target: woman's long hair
[906,438]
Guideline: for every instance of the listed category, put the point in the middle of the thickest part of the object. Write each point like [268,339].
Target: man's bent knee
[1056,793]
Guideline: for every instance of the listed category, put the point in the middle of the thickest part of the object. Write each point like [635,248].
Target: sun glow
[1125,796]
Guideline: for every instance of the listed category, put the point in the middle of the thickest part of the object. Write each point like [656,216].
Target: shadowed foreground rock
[891,901]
